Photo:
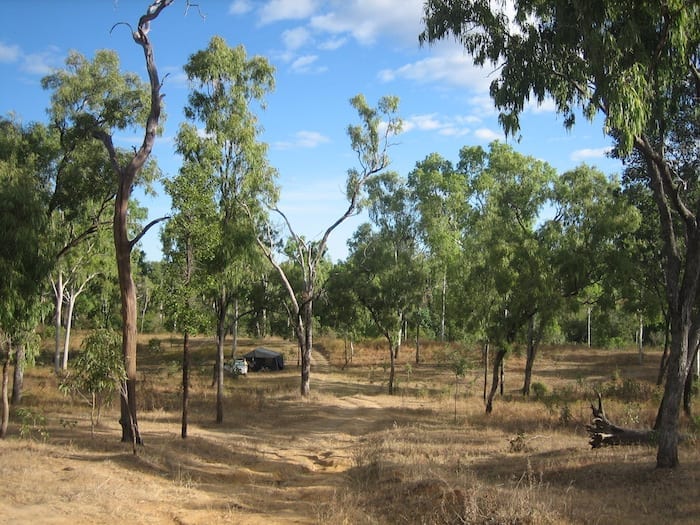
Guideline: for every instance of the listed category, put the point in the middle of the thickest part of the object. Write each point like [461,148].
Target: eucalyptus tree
[340,309]
[188,243]
[440,195]
[631,63]
[370,140]
[90,102]
[508,193]
[25,253]
[226,84]
[387,264]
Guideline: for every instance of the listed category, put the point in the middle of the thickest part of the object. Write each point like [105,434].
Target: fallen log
[604,433]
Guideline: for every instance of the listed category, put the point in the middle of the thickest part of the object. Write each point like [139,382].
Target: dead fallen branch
[605,433]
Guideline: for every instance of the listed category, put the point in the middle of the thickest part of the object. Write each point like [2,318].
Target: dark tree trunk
[393,348]
[185,382]
[533,340]
[5,386]
[485,357]
[688,388]
[418,343]
[497,369]
[219,367]
[664,356]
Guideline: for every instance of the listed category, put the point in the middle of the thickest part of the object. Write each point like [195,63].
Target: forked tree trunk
[497,370]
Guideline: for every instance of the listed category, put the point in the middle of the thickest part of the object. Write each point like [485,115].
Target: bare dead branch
[148,226]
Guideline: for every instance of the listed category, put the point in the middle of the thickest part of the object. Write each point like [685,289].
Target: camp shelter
[264,358]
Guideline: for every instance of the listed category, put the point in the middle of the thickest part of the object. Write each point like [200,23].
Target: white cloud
[276,10]
[303,139]
[240,7]
[487,135]
[367,20]
[295,38]
[448,126]
[332,44]
[40,63]
[303,65]
[454,69]
[590,153]
[9,53]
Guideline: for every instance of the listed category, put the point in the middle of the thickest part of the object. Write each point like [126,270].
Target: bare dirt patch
[350,453]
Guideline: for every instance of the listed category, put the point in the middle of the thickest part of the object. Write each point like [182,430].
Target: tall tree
[632,63]
[89,102]
[388,267]
[25,257]
[188,242]
[370,140]
[440,194]
[227,85]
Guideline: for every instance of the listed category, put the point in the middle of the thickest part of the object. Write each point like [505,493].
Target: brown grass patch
[350,453]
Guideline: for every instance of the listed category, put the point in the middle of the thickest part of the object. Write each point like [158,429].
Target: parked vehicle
[237,367]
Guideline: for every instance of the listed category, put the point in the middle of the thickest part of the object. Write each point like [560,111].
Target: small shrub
[518,443]
[539,390]
[97,372]
[565,415]
[32,424]
[154,346]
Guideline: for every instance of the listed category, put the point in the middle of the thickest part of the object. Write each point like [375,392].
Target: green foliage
[32,424]
[97,371]
[539,390]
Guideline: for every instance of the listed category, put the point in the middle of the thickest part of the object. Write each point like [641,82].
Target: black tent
[263,358]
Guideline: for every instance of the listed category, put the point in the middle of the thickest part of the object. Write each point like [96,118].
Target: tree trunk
[123,246]
[18,376]
[234,329]
[531,354]
[664,356]
[485,356]
[305,335]
[392,363]
[5,380]
[58,293]
[688,387]
[69,325]
[185,382]
[497,368]
[418,343]
[443,306]
[220,341]
[128,420]
[669,411]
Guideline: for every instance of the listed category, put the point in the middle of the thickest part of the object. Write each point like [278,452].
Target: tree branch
[148,226]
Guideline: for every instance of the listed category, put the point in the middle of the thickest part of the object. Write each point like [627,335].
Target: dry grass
[350,454]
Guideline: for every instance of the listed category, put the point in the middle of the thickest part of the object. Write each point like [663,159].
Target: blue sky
[324,52]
